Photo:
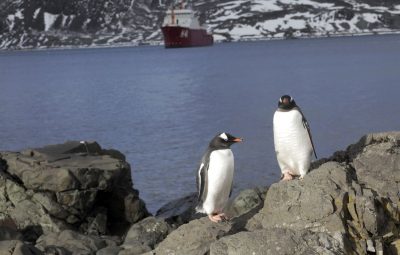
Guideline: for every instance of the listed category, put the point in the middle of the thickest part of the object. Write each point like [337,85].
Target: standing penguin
[292,138]
[215,177]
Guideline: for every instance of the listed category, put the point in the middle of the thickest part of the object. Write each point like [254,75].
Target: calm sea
[161,107]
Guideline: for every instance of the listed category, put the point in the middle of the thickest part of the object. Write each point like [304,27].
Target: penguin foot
[287,176]
[218,217]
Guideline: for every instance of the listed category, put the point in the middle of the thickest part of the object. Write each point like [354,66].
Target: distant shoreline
[160,43]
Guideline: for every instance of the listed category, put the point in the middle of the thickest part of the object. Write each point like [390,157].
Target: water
[161,107]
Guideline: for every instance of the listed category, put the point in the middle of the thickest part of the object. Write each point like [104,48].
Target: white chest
[220,177]
[292,142]
[221,164]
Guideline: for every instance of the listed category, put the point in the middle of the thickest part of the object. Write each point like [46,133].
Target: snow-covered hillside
[57,23]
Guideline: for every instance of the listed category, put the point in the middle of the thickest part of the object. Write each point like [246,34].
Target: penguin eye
[280,100]
[291,99]
[223,136]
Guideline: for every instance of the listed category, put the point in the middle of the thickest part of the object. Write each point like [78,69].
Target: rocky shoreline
[78,198]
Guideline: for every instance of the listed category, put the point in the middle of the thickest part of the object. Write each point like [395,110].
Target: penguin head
[286,102]
[224,140]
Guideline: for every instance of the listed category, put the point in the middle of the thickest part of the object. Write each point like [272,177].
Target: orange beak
[238,140]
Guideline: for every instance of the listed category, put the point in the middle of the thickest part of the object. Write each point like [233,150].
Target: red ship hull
[177,37]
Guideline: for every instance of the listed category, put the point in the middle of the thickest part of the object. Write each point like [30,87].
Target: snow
[283,23]
[11,23]
[227,16]
[307,2]
[19,14]
[371,18]
[231,5]
[219,38]
[36,13]
[265,6]
[240,31]
[49,20]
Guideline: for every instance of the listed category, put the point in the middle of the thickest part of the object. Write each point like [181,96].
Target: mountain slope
[57,23]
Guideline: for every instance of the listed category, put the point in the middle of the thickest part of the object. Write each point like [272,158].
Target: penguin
[292,139]
[215,177]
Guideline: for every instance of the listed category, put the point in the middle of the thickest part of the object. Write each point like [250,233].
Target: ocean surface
[161,107]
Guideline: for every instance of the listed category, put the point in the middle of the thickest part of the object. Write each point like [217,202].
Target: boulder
[278,241]
[315,202]
[179,211]
[111,250]
[17,247]
[246,201]
[70,242]
[75,185]
[146,233]
[8,230]
[377,165]
[193,238]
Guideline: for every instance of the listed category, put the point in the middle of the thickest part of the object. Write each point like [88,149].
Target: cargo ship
[181,28]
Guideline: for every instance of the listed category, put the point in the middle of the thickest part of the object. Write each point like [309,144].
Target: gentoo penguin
[215,177]
[292,138]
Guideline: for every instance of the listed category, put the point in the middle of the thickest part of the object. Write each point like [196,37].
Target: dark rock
[246,201]
[135,250]
[70,241]
[294,203]
[111,250]
[148,232]
[179,211]
[9,230]
[277,241]
[378,164]
[69,186]
[193,238]
[16,247]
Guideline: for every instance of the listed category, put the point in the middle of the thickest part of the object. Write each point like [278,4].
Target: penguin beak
[237,140]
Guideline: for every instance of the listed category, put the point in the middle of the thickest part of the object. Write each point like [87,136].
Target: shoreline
[160,43]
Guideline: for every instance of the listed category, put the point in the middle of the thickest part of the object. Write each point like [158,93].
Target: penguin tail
[200,209]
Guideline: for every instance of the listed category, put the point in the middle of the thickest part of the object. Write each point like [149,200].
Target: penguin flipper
[230,192]
[307,127]
[201,182]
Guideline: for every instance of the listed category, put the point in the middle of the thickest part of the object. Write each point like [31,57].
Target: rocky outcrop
[347,204]
[340,207]
[73,189]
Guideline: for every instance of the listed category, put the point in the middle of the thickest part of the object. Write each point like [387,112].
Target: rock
[246,201]
[70,241]
[135,250]
[378,164]
[277,241]
[313,203]
[179,211]
[69,186]
[8,230]
[347,204]
[111,250]
[16,247]
[193,238]
[148,233]
[395,247]
[7,233]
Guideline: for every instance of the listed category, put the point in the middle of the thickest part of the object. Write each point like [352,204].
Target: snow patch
[265,6]
[49,20]
[240,31]
[11,21]
[36,13]
[370,17]
[19,14]
[307,2]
